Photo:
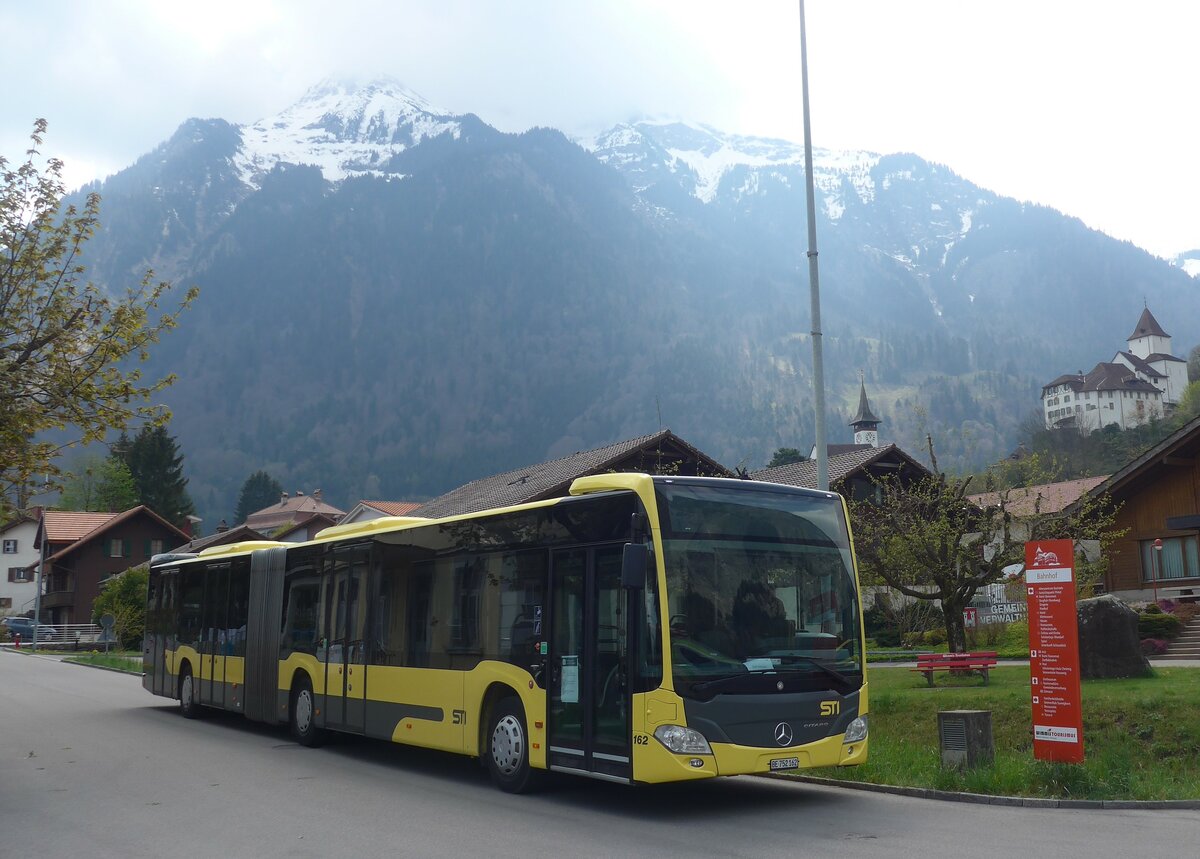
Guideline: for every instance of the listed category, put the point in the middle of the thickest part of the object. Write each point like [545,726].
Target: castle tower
[1148,338]
[865,423]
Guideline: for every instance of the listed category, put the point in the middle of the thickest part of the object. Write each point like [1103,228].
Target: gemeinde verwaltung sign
[1054,651]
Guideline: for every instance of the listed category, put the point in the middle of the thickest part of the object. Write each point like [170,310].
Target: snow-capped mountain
[517,297]
[1189,261]
[344,127]
[701,159]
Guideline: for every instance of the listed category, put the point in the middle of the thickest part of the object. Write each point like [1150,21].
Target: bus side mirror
[634,562]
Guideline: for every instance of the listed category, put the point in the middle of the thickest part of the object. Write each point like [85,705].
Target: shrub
[1017,634]
[887,637]
[1154,646]
[934,637]
[985,635]
[1151,625]
[1152,608]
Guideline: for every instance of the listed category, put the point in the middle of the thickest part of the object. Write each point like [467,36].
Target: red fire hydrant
[17,640]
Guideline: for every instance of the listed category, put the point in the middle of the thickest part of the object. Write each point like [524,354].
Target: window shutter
[12,574]
[146,548]
[108,548]
[126,547]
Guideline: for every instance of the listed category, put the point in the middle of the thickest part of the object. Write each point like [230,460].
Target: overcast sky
[1089,107]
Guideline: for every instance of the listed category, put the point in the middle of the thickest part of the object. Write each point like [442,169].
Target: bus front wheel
[304,714]
[187,695]
[508,748]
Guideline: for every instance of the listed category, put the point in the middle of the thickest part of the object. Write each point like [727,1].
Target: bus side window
[192,596]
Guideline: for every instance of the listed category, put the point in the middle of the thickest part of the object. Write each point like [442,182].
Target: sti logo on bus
[831,708]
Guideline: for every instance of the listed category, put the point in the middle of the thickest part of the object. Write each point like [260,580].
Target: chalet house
[305,529]
[853,468]
[1159,494]
[365,511]
[18,563]
[851,474]
[84,549]
[1144,382]
[291,511]
[659,453]
[224,536]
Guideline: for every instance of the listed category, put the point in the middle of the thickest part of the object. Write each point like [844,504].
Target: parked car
[23,626]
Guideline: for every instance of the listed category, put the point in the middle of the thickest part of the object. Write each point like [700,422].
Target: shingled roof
[67,526]
[1044,497]
[1104,377]
[840,467]
[553,479]
[1147,326]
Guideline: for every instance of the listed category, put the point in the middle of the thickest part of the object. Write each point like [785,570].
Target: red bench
[956,663]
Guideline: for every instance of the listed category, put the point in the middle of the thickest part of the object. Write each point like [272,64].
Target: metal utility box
[966,738]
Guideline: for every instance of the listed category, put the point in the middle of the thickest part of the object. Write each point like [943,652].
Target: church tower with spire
[865,423]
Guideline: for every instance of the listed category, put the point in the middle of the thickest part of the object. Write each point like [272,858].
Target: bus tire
[508,748]
[303,714]
[187,694]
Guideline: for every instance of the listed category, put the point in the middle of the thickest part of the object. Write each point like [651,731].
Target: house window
[5,602]
[18,574]
[10,547]
[116,548]
[1178,559]
[154,547]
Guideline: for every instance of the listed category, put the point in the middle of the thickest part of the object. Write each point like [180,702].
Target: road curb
[66,661]
[988,799]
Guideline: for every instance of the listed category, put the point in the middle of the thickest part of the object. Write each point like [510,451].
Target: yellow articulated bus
[645,629]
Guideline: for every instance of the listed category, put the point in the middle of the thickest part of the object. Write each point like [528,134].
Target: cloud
[1090,113]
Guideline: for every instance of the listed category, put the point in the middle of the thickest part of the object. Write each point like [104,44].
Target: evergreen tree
[260,490]
[156,464]
[786,456]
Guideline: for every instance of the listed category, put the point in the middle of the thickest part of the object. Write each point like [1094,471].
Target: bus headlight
[856,730]
[682,741]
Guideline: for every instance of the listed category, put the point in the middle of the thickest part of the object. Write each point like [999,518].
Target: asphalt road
[91,765]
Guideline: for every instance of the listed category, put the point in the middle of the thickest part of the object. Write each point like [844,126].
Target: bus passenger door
[346,674]
[589,714]
[212,657]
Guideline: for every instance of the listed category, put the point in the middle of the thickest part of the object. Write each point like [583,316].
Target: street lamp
[1157,566]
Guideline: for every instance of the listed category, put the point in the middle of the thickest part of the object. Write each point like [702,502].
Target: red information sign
[1054,651]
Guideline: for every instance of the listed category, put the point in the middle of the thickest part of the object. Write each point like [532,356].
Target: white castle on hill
[1139,384]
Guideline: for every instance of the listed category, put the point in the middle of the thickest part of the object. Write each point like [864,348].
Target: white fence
[73,636]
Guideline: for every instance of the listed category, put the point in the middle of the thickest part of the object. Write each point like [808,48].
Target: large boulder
[1108,640]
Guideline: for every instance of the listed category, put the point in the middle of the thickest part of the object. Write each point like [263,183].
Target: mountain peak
[355,89]
[705,155]
[346,126]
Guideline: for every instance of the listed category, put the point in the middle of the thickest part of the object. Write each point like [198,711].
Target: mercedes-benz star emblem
[783,734]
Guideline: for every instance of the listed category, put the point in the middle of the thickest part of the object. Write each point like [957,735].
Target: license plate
[785,764]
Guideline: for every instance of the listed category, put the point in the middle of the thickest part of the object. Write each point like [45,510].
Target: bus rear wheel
[304,714]
[508,748]
[187,695]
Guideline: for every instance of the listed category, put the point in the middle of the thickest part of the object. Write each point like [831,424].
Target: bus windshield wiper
[719,682]
[819,663]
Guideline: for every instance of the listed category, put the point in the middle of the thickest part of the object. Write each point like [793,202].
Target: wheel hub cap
[303,711]
[508,745]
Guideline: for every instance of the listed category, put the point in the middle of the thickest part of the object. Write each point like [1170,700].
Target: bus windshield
[760,588]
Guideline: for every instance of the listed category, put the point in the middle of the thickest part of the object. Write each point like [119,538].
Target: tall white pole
[813,279]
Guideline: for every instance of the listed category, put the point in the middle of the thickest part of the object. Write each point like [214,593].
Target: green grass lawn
[1141,737]
[129,662]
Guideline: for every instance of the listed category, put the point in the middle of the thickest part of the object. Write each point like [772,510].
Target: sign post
[1054,651]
